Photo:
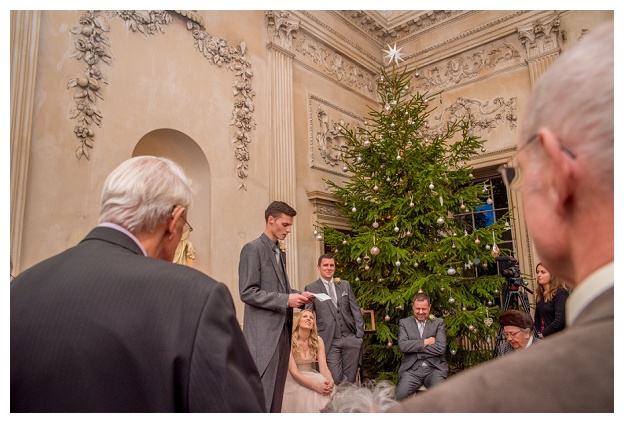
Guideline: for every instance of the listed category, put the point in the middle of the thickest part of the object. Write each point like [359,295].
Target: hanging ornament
[397,263]
[445,313]
[464,308]
[415,264]
[366,258]
[417,74]
[315,232]
[453,246]
[353,209]
[366,143]
[483,149]
[408,233]
[507,226]
[462,206]
[367,267]
[375,224]
[495,251]
[357,278]
[477,241]
[387,318]
[374,250]
[489,302]
[398,157]
[442,289]
[389,344]
[431,186]
[319,237]
[440,220]
[471,327]
[344,242]
[411,201]
[451,271]
[388,179]
[336,251]
[359,260]
[392,124]
[496,291]
[375,188]
[487,246]
[453,352]
[451,300]
[488,320]
[476,260]
[345,169]
[396,228]
[359,159]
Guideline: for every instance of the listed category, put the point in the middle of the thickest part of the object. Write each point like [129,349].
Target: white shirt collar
[587,291]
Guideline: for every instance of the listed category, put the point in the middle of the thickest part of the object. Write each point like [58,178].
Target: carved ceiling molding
[326,142]
[93,47]
[336,65]
[469,66]
[338,35]
[382,35]
[465,36]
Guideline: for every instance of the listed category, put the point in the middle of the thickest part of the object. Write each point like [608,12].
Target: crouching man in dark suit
[423,344]
[112,325]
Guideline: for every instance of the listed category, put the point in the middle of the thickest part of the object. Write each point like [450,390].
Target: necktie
[331,290]
[421,328]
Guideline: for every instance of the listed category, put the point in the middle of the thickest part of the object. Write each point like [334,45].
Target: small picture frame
[369,321]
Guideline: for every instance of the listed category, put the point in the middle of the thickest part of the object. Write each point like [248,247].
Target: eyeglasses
[190,229]
[510,334]
[512,176]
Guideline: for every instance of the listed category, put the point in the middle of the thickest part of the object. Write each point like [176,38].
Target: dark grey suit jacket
[412,345]
[102,328]
[570,371]
[326,312]
[264,289]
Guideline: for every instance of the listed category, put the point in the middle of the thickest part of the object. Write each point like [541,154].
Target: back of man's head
[575,99]
[142,191]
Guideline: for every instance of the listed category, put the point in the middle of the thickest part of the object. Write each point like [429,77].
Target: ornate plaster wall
[296,74]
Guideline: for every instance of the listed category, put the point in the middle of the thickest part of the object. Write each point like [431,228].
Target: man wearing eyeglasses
[565,160]
[112,325]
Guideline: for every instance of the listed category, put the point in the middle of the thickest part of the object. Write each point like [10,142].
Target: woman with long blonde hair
[307,390]
[550,298]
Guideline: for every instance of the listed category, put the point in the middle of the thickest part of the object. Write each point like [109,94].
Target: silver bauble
[440,220]
[397,263]
[375,250]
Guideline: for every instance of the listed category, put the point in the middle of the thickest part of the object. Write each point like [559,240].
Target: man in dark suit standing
[339,321]
[112,325]
[422,341]
[269,301]
[565,155]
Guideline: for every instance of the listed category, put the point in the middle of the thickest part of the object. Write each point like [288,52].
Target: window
[486,214]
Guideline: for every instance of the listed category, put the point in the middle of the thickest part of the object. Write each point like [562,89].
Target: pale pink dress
[298,398]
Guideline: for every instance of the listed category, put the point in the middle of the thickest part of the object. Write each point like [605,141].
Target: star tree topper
[393,53]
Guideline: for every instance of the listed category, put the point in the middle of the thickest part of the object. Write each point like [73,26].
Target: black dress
[550,316]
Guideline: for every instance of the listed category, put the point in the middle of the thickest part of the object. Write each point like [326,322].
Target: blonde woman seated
[307,390]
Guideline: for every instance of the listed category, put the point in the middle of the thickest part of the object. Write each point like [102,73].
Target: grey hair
[371,397]
[143,191]
[575,99]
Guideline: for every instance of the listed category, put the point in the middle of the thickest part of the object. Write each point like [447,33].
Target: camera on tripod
[508,268]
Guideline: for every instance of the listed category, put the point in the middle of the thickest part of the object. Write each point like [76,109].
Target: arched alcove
[183,150]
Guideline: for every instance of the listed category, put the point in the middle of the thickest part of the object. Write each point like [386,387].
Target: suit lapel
[321,287]
[279,271]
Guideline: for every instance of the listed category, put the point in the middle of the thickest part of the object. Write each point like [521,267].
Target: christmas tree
[408,182]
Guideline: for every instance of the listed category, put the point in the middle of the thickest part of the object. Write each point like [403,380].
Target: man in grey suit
[269,301]
[112,325]
[566,159]
[423,343]
[339,321]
